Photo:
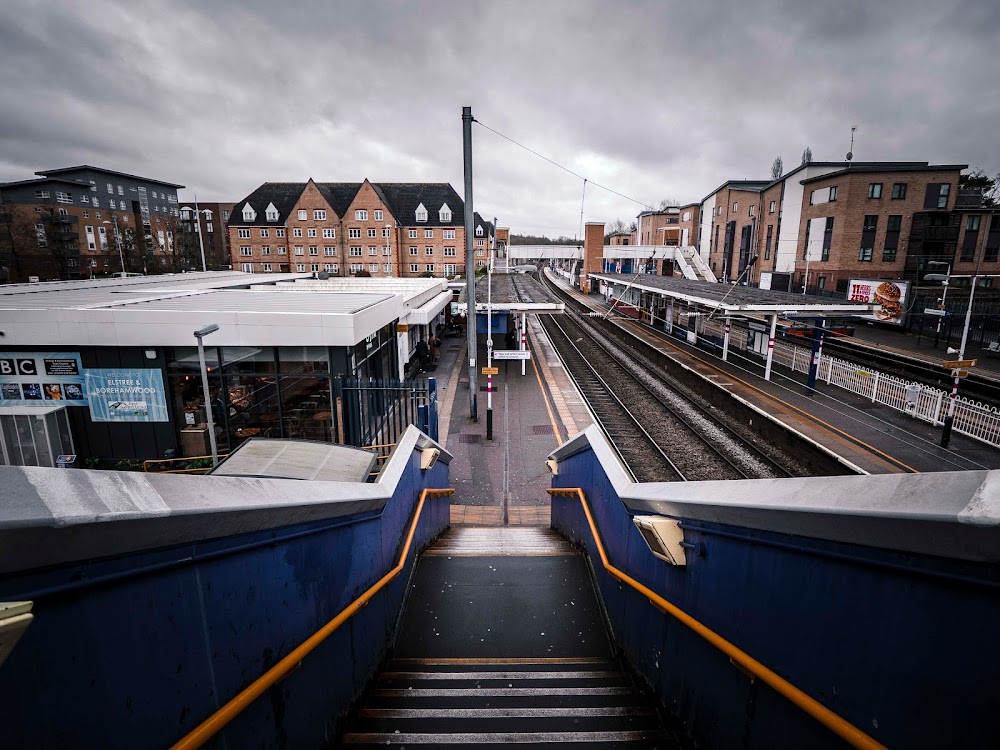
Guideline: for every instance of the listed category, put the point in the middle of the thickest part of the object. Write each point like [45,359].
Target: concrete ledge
[947,514]
[52,516]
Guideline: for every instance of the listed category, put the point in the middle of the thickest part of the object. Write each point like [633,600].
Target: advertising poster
[889,296]
[133,395]
[41,378]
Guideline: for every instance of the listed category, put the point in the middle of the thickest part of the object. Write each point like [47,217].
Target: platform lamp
[200,334]
[944,295]
[118,241]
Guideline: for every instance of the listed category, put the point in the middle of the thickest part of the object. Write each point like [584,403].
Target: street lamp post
[197,228]
[118,241]
[200,334]
[944,295]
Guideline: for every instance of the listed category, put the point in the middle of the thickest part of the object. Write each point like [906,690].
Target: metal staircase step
[576,739]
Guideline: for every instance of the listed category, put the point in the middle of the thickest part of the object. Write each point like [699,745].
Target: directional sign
[954,364]
[491,371]
[934,311]
[511,354]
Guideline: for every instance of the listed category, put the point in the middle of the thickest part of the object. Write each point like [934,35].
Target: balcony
[969,199]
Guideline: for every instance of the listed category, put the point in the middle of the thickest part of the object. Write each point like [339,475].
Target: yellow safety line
[214,723]
[545,398]
[777,400]
[839,726]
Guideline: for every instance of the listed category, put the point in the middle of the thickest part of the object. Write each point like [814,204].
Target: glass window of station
[274,392]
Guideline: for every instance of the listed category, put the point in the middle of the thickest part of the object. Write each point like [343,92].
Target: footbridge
[237,611]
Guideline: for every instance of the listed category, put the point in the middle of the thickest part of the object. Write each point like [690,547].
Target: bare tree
[18,239]
[777,167]
[615,227]
[807,155]
[667,203]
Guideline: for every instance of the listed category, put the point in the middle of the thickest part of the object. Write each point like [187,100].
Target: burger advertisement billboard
[889,297]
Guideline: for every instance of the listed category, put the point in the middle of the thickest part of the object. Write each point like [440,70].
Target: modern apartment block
[894,222]
[83,221]
[212,219]
[867,219]
[382,229]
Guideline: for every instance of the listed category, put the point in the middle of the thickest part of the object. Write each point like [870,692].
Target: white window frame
[360,214]
[319,214]
[243,234]
[414,268]
[302,214]
[428,234]
[354,233]
[329,234]
[448,234]
[378,215]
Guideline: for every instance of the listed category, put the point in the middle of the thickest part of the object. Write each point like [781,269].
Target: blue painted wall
[902,646]
[141,658]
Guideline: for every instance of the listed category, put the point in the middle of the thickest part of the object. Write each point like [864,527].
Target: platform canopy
[505,298]
[731,299]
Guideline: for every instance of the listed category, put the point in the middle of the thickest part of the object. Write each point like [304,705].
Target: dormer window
[479,231]
[248,213]
[271,213]
[421,213]
[185,214]
[445,213]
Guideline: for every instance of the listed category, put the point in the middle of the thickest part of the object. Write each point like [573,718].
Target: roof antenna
[850,154]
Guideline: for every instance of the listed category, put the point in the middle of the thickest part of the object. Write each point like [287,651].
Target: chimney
[593,253]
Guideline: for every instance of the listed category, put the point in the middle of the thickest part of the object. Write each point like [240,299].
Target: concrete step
[473,541]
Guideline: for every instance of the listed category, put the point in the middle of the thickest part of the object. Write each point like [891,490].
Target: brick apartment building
[212,219]
[728,220]
[886,221]
[384,229]
[71,222]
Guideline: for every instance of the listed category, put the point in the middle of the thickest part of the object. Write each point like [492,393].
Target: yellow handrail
[843,729]
[214,723]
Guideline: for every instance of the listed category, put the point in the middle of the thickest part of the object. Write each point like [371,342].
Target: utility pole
[470,270]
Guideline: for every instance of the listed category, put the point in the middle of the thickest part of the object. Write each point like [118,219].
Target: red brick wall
[849,211]
[593,252]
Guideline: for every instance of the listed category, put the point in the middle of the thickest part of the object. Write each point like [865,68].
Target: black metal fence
[984,325]
[377,411]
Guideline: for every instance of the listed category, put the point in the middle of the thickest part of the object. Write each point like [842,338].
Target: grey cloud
[652,99]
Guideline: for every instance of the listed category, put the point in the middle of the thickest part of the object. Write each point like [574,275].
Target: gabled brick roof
[284,196]
[401,198]
[339,195]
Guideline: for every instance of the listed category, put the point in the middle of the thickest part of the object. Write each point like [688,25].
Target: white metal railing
[977,420]
[972,418]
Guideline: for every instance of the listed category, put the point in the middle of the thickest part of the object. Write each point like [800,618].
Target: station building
[120,356]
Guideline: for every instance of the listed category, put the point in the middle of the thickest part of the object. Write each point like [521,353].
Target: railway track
[659,435]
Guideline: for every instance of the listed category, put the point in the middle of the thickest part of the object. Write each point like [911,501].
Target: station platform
[532,415]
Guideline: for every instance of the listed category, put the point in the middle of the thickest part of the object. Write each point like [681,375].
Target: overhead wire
[561,166]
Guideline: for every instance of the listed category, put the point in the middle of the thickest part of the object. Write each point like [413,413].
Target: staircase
[700,268]
[503,641]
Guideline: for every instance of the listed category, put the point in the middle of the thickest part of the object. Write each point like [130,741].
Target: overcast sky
[653,99]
